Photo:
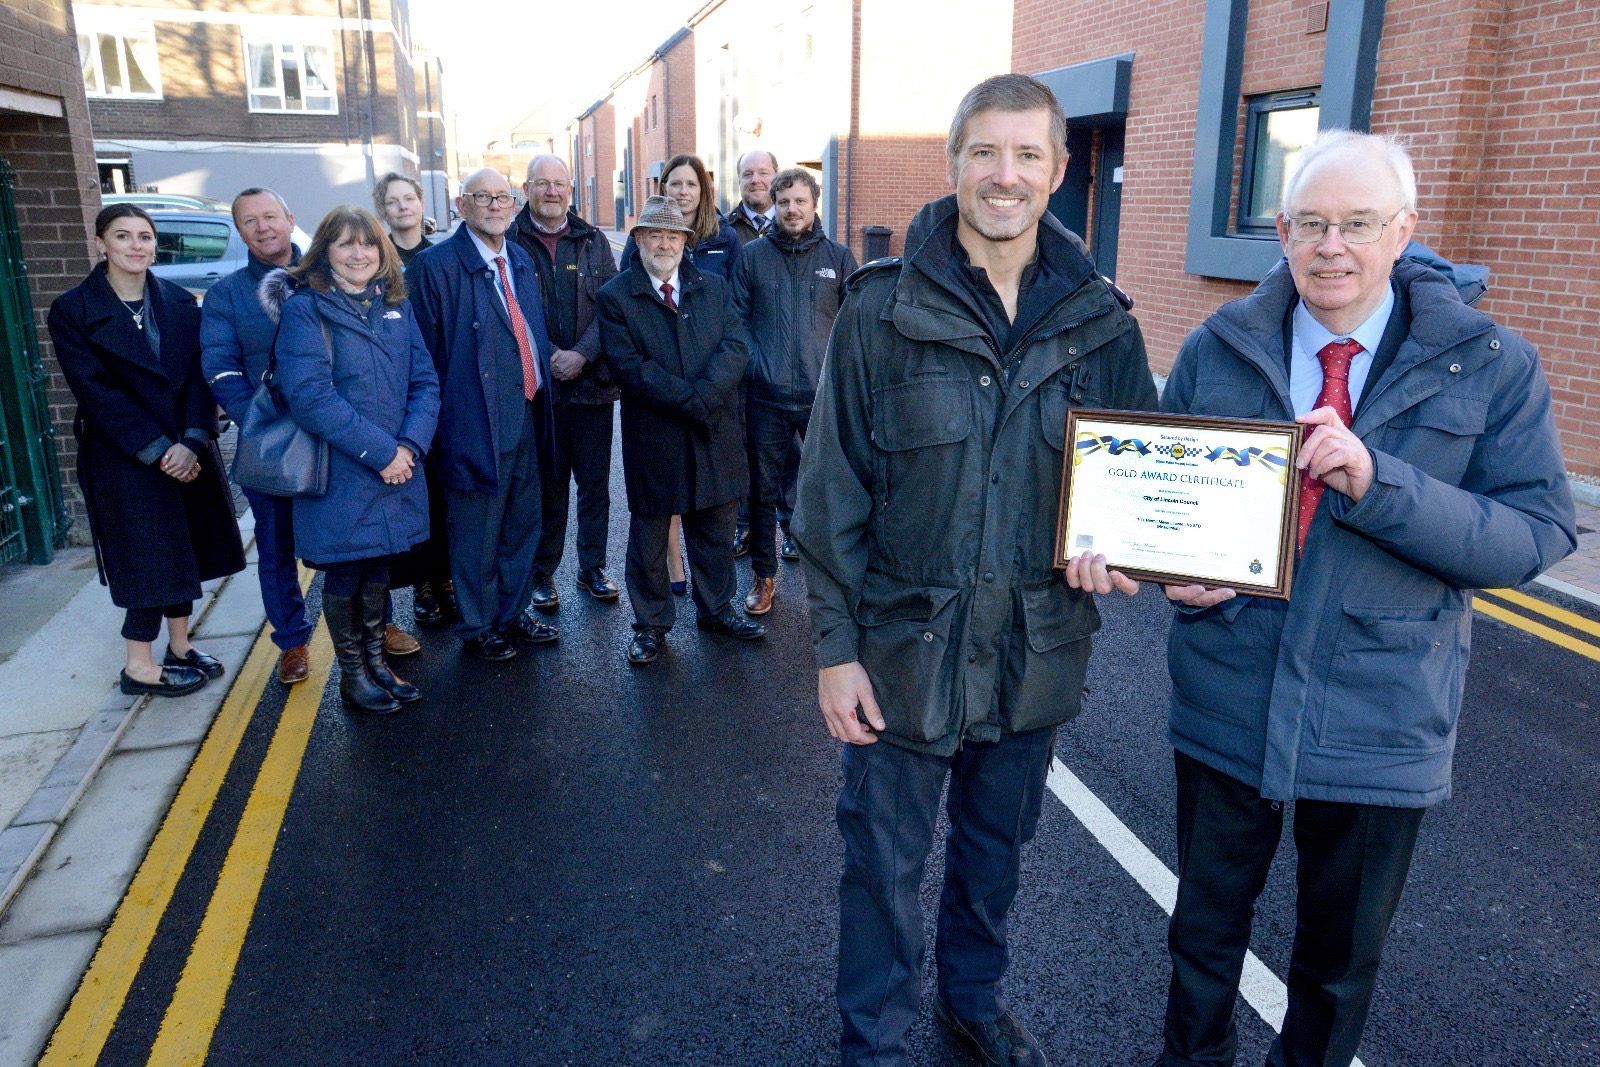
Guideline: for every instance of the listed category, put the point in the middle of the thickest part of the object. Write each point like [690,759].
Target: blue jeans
[279,570]
[887,810]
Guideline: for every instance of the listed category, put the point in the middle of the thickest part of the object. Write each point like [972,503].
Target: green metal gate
[33,516]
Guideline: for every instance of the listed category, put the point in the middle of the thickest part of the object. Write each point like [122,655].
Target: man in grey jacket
[787,287]
[948,646]
[1430,469]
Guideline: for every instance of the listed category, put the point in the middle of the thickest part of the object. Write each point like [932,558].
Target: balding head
[548,189]
[489,219]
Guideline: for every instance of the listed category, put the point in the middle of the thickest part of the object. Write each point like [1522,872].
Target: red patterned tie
[666,296]
[1335,357]
[519,329]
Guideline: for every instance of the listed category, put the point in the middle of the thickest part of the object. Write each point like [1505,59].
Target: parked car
[195,247]
[164,201]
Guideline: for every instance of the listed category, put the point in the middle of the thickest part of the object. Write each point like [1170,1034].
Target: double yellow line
[1538,629]
[191,1017]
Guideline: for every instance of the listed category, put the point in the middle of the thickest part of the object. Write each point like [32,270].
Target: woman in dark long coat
[353,367]
[159,505]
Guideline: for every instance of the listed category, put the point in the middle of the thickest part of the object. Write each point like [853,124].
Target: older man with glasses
[477,301]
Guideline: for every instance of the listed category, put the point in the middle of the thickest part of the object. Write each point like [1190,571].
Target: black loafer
[175,682]
[490,646]
[425,606]
[730,623]
[594,582]
[545,597]
[532,630]
[209,666]
[1002,1042]
[741,541]
[646,646]
[789,551]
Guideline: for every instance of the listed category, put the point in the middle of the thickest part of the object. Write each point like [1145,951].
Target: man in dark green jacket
[926,524]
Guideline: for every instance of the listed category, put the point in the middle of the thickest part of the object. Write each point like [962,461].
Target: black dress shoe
[646,646]
[741,541]
[545,597]
[175,681]
[532,630]
[1002,1042]
[490,646]
[594,582]
[730,623]
[209,666]
[425,605]
[789,551]
[446,592]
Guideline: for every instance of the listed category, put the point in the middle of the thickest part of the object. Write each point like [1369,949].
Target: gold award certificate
[1182,499]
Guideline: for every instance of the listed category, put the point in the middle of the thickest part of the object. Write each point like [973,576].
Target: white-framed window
[284,74]
[118,56]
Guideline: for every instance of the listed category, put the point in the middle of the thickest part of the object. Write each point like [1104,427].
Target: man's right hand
[842,689]
[566,364]
[1199,596]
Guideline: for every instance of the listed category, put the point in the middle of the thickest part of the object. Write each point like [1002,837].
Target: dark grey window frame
[1256,109]
[1349,71]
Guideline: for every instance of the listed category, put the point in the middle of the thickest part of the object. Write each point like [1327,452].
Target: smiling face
[1342,284]
[266,227]
[1004,174]
[755,180]
[402,207]
[549,191]
[353,259]
[129,245]
[660,251]
[797,209]
[683,186]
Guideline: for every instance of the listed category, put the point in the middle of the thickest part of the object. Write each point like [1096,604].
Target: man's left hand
[1088,571]
[1334,454]
[566,364]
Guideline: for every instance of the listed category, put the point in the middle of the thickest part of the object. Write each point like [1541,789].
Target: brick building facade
[1499,101]
[207,98]
[48,157]
[593,159]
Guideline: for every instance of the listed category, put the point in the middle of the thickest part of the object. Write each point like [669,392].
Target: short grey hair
[1007,92]
[1367,146]
[257,190]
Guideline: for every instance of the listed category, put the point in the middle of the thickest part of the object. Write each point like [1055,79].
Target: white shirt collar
[1313,335]
[677,290]
[489,255]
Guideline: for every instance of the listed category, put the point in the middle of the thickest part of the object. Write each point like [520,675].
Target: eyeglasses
[543,185]
[500,200]
[1311,229]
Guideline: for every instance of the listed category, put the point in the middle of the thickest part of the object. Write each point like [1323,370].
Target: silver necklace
[138,316]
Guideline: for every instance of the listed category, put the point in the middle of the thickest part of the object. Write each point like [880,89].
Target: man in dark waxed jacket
[787,287]
[573,260]
[948,645]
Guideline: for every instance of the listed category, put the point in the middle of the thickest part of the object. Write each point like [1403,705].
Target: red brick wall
[893,179]
[1498,98]
[57,191]
[602,127]
[671,86]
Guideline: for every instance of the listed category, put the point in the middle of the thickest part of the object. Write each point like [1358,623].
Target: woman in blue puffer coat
[353,369]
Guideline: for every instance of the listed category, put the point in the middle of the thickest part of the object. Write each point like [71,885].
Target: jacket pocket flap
[920,414]
[884,600]
[1055,618]
[1461,415]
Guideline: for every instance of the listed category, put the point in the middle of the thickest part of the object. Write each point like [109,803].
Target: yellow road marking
[191,1019]
[83,1030]
[1538,629]
[1561,615]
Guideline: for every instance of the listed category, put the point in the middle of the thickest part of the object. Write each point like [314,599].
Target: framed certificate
[1182,499]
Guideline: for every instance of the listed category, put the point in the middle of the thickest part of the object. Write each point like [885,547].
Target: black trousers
[772,433]
[493,537]
[143,624]
[708,536]
[583,454]
[1353,862]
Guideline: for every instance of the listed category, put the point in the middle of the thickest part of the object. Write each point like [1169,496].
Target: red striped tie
[519,329]
[1335,357]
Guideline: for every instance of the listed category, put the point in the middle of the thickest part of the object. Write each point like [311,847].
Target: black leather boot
[374,605]
[356,686]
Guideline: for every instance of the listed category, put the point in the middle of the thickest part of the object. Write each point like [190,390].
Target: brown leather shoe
[294,665]
[759,602]
[397,642]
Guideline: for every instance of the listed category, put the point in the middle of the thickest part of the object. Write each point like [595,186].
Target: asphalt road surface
[565,860]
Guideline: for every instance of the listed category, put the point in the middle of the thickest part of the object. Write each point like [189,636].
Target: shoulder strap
[272,353]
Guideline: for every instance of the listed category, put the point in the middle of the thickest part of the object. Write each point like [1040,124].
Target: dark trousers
[772,432]
[493,537]
[1353,861]
[887,810]
[143,624]
[583,455]
[277,570]
[708,537]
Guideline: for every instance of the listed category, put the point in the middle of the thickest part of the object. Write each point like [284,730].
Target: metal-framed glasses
[1362,231]
[497,199]
[544,184]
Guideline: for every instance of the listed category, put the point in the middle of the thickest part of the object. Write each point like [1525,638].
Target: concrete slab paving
[84,873]
[65,784]
[186,719]
[64,671]
[25,762]
[33,594]
[20,848]
[237,609]
[36,981]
